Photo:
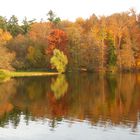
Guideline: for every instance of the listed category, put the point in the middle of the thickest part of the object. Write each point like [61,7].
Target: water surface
[71,107]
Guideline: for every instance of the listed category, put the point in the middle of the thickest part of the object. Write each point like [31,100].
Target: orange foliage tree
[56,39]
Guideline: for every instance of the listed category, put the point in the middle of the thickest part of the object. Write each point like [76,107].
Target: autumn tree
[90,58]
[90,23]
[6,59]
[56,39]
[38,33]
[19,45]
[59,61]
[4,37]
[74,35]
[118,26]
[99,33]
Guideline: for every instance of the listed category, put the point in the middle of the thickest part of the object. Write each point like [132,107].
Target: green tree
[35,57]
[112,58]
[13,26]
[3,23]
[26,25]
[52,17]
[59,61]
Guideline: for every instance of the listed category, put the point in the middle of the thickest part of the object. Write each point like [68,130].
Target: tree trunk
[119,52]
[102,55]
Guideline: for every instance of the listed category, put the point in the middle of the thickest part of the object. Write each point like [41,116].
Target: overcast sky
[65,9]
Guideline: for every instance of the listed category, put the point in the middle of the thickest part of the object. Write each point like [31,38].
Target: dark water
[72,107]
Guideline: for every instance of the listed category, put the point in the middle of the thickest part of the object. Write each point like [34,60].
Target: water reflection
[98,99]
[59,86]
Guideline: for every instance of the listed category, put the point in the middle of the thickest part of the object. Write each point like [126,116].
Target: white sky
[65,9]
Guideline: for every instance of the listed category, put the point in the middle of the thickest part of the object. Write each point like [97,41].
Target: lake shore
[6,73]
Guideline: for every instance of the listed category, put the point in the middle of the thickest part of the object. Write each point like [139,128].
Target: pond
[71,107]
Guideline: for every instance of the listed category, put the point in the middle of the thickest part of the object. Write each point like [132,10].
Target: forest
[104,43]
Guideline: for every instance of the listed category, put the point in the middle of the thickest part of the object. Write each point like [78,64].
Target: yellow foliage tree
[59,61]
[4,37]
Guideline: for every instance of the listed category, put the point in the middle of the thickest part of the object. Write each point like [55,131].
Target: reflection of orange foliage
[38,109]
[56,39]
[58,107]
[7,90]
[6,107]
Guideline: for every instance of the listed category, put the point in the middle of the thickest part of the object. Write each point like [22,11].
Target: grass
[6,73]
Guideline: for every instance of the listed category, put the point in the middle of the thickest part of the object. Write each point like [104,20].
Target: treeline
[94,44]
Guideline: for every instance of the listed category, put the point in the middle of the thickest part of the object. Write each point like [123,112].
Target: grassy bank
[6,73]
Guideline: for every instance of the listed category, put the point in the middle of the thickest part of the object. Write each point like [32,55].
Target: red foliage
[59,107]
[56,39]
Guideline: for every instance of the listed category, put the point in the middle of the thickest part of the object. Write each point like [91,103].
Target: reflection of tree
[59,86]
[13,116]
[7,89]
[57,108]
[32,95]
[57,101]
[112,85]
[121,100]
